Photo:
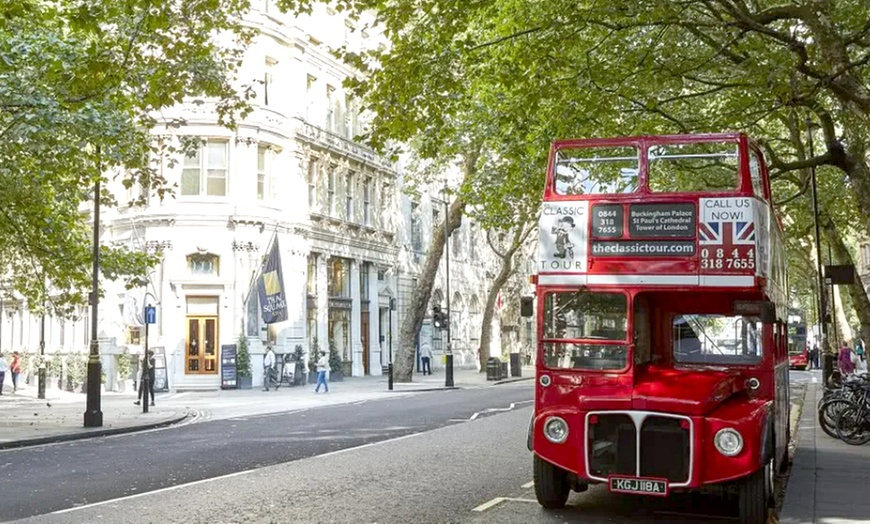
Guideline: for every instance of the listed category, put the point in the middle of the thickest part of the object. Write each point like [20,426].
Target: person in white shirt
[426,358]
[322,368]
[268,368]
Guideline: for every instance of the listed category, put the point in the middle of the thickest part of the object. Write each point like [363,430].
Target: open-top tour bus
[662,359]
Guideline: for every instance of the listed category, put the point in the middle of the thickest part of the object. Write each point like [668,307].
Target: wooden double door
[201,351]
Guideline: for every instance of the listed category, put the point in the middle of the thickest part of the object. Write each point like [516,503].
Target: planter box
[245,382]
[336,376]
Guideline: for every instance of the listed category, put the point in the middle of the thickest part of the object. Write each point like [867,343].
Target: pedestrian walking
[322,368]
[859,350]
[814,357]
[143,392]
[15,369]
[3,367]
[847,366]
[426,358]
[268,368]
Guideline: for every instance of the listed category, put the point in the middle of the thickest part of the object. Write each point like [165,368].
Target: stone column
[375,360]
[355,324]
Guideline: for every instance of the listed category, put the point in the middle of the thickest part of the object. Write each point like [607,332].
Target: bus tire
[753,497]
[552,484]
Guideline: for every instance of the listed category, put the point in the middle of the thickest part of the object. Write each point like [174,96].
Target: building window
[268,80]
[367,201]
[310,95]
[472,234]
[339,277]
[351,189]
[364,280]
[253,314]
[205,170]
[312,183]
[311,286]
[386,206]
[330,189]
[262,175]
[330,112]
[456,240]
[382,275]
[416,228]
[206,264]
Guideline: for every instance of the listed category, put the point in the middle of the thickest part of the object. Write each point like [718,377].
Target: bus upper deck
[681,210]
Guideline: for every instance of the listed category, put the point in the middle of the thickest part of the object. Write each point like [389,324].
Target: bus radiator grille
[612,445]
[664,449]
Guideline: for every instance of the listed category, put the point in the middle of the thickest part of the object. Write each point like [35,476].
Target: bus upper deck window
[684,168]
[596,170]
[755,172]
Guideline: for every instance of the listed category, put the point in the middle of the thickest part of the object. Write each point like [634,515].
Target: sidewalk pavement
[26,420]
[829,478]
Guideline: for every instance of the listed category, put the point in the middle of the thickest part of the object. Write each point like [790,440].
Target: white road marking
[236,474]
[161,490]
[528,485]
[486,505]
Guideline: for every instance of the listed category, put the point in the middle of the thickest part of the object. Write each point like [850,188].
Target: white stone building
[349,239]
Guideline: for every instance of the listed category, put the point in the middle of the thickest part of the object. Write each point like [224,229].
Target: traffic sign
[150,315]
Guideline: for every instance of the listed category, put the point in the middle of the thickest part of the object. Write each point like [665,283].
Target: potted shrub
[298,359]
[125,370]
[336,373]
[313,355]
[243,364]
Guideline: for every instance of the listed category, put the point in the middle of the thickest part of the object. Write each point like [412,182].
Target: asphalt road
[432,469]
[44,479]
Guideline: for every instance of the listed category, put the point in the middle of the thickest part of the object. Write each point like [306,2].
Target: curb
[416,390]
[795,415]
[67,437]
[510,380]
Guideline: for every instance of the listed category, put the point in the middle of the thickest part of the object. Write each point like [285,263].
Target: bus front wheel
[552,484]
[754,494]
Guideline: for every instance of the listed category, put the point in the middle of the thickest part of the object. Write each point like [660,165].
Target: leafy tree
[81,83]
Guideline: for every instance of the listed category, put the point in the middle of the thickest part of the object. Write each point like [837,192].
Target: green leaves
[80,81]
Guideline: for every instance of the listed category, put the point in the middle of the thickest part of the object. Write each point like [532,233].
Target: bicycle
[853,422]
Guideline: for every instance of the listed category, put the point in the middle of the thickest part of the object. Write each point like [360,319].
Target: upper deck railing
[689,210]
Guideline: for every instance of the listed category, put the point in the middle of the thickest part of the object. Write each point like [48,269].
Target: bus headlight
[728,442]
[556,430]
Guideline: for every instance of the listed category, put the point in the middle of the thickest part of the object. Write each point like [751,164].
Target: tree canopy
[80,84]
[537,71]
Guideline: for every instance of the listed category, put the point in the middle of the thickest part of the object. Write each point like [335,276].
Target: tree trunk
[422,292]
[856,291]
[489,310]
[507,268]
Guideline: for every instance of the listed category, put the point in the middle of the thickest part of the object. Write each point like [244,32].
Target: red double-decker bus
[662,360]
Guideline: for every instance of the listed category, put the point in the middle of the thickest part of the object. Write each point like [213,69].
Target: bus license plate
[638,486]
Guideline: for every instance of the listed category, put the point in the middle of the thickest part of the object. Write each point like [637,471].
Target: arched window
[203,264]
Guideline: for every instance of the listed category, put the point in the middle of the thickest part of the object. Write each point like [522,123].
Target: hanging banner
[273,301]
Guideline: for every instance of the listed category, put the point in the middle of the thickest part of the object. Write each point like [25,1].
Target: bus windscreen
[596,170]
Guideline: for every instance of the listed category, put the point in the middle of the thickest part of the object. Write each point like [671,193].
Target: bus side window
[642,354]
[757,176]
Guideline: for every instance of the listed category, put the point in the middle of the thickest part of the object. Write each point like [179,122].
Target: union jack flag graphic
[727,233]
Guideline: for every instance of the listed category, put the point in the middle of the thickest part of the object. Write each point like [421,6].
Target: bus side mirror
[527,306]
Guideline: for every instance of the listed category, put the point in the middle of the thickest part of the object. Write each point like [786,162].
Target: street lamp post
[448,358]
[41,387]
[390,333]
[827,358]
[93,415]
